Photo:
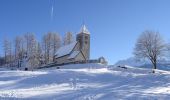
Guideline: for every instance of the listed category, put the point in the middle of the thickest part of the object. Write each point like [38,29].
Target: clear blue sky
[114,24]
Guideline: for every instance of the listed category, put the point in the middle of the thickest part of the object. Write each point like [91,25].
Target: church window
[86,37]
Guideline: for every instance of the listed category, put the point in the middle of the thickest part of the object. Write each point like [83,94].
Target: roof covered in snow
[65,50]
[73,54]
[84,30]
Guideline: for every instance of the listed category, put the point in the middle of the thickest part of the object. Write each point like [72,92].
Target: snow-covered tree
[150,45]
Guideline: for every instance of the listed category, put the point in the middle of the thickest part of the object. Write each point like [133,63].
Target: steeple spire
[84,29]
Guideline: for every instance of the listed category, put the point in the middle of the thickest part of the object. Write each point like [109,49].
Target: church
[76,51]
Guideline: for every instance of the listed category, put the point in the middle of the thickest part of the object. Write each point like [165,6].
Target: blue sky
[114,24]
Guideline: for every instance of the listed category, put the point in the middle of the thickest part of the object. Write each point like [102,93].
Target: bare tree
[51,42]
[150,45]
[31,49]
[18,47]
[2,61]
[56,43]
[27,49]
[68,38]
[39,53]
[5,47]
[8,51]
[44,48]
[47,46]
[29,40]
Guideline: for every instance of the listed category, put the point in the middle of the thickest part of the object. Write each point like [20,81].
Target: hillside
[84,82]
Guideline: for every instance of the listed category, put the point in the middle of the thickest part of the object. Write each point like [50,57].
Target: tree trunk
[155,65]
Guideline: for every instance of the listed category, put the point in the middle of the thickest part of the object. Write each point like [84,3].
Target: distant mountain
[131,62]
[162,64]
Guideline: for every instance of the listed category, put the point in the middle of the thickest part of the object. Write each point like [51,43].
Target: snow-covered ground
[88,82]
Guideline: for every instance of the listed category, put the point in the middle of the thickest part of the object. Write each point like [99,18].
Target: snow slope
[92,83]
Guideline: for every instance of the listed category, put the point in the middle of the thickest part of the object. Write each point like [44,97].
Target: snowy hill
[96,82]
[162,64]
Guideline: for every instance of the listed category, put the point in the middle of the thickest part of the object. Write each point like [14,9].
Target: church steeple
[84,29]
[83,37]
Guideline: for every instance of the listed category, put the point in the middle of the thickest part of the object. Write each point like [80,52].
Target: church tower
[83,37]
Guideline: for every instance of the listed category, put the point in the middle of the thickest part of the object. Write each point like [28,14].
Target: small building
[76,51]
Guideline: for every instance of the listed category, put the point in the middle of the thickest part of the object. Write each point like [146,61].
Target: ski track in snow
[91,83]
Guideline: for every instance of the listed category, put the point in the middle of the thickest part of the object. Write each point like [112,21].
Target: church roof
[84,30]
[73,54]
[65,50]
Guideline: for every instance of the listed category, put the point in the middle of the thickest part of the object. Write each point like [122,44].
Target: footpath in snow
[85,82]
